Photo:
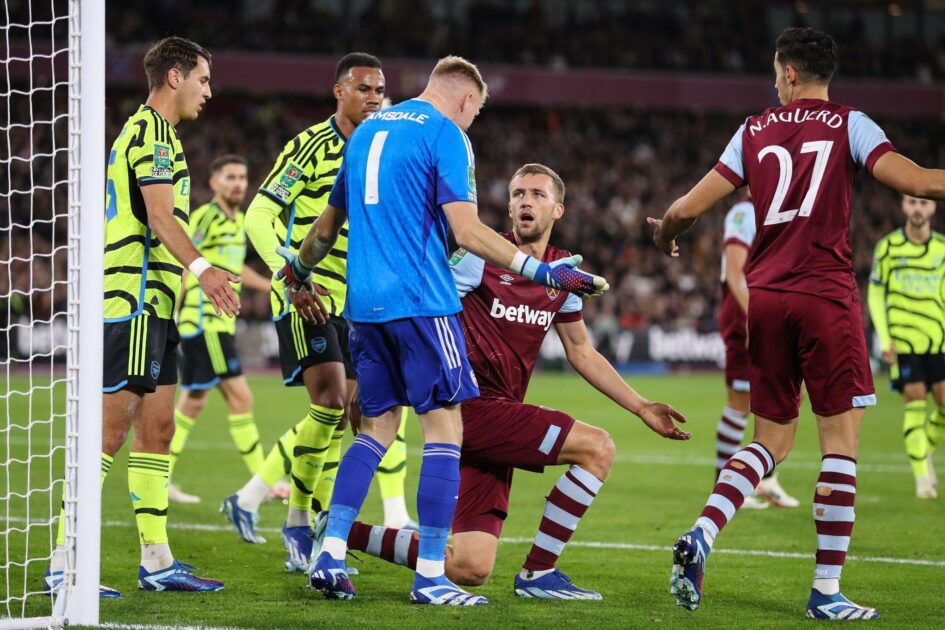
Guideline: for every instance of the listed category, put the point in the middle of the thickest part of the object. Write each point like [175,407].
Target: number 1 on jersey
[371,189]
[786,167]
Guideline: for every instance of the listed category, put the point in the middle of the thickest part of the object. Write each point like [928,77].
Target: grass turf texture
[654,493]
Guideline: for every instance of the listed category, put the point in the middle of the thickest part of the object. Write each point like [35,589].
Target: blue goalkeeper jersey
[401,165]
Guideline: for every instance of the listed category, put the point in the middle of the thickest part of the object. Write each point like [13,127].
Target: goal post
[52,189]
[86,314]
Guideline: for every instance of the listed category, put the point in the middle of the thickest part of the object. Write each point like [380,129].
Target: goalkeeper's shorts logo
[319,344]
[155,369]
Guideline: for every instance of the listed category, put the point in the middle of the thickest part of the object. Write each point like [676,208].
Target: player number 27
[822,149]
[371,189]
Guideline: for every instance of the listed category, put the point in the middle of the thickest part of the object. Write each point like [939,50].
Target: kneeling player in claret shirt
[505,319]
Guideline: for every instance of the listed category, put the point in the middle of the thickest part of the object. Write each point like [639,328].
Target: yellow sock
[916,438]
[321,497]
[312,443]
[147,483]
[393,468]
[61,533]
[246,437]
[278,462]
[182,426]
[936,428]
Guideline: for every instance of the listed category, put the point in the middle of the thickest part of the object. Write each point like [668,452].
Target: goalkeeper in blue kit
[407,177]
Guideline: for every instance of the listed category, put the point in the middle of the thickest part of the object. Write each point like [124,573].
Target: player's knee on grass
[469,569]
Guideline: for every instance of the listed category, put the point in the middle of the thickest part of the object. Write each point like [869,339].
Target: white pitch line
[738,552]
[793,555]
[709,462]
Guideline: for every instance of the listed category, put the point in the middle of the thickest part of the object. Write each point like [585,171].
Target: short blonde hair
[540,169]
[453,66]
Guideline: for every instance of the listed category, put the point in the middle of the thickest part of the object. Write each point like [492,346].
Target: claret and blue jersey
[401,165]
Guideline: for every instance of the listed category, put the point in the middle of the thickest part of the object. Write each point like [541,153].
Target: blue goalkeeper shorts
[418,362]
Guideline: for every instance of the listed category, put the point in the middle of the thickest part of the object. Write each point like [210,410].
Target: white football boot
[771,490]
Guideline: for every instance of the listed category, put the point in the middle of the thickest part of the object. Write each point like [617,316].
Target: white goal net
[51,223]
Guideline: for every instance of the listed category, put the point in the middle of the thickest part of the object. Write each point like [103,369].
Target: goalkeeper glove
[294,274]
[563,274]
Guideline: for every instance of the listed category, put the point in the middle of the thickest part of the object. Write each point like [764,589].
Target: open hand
[215,283]
[660,417]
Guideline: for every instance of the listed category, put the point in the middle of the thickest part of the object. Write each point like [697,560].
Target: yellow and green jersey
[907,293]
[291,198]
[141,275]
[222,241]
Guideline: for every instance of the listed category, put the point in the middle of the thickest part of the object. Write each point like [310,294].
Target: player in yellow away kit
[208,343]
[907,305]
[146,249]
[315,355]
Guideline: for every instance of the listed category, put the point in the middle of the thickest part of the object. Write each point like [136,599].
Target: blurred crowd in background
[880,39]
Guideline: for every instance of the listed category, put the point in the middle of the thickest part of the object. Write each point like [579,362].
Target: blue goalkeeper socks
[352,483]
[436,501]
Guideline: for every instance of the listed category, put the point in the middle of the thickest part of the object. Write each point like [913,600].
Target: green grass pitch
[654,493]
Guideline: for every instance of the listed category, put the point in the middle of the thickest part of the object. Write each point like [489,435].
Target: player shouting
[504,320]
[408,174]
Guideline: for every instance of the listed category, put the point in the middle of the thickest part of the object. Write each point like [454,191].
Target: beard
[528,235]
[918,220]
[234,200]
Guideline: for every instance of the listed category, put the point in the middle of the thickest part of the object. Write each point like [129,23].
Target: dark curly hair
[812,52]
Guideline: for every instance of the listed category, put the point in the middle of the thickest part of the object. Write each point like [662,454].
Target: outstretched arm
[474,236]
[685,210]
[597,371]
[902,174]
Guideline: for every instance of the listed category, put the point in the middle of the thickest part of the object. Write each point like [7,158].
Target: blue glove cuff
[530,267]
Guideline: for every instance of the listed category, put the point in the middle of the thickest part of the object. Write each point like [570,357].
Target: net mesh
[35,210]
